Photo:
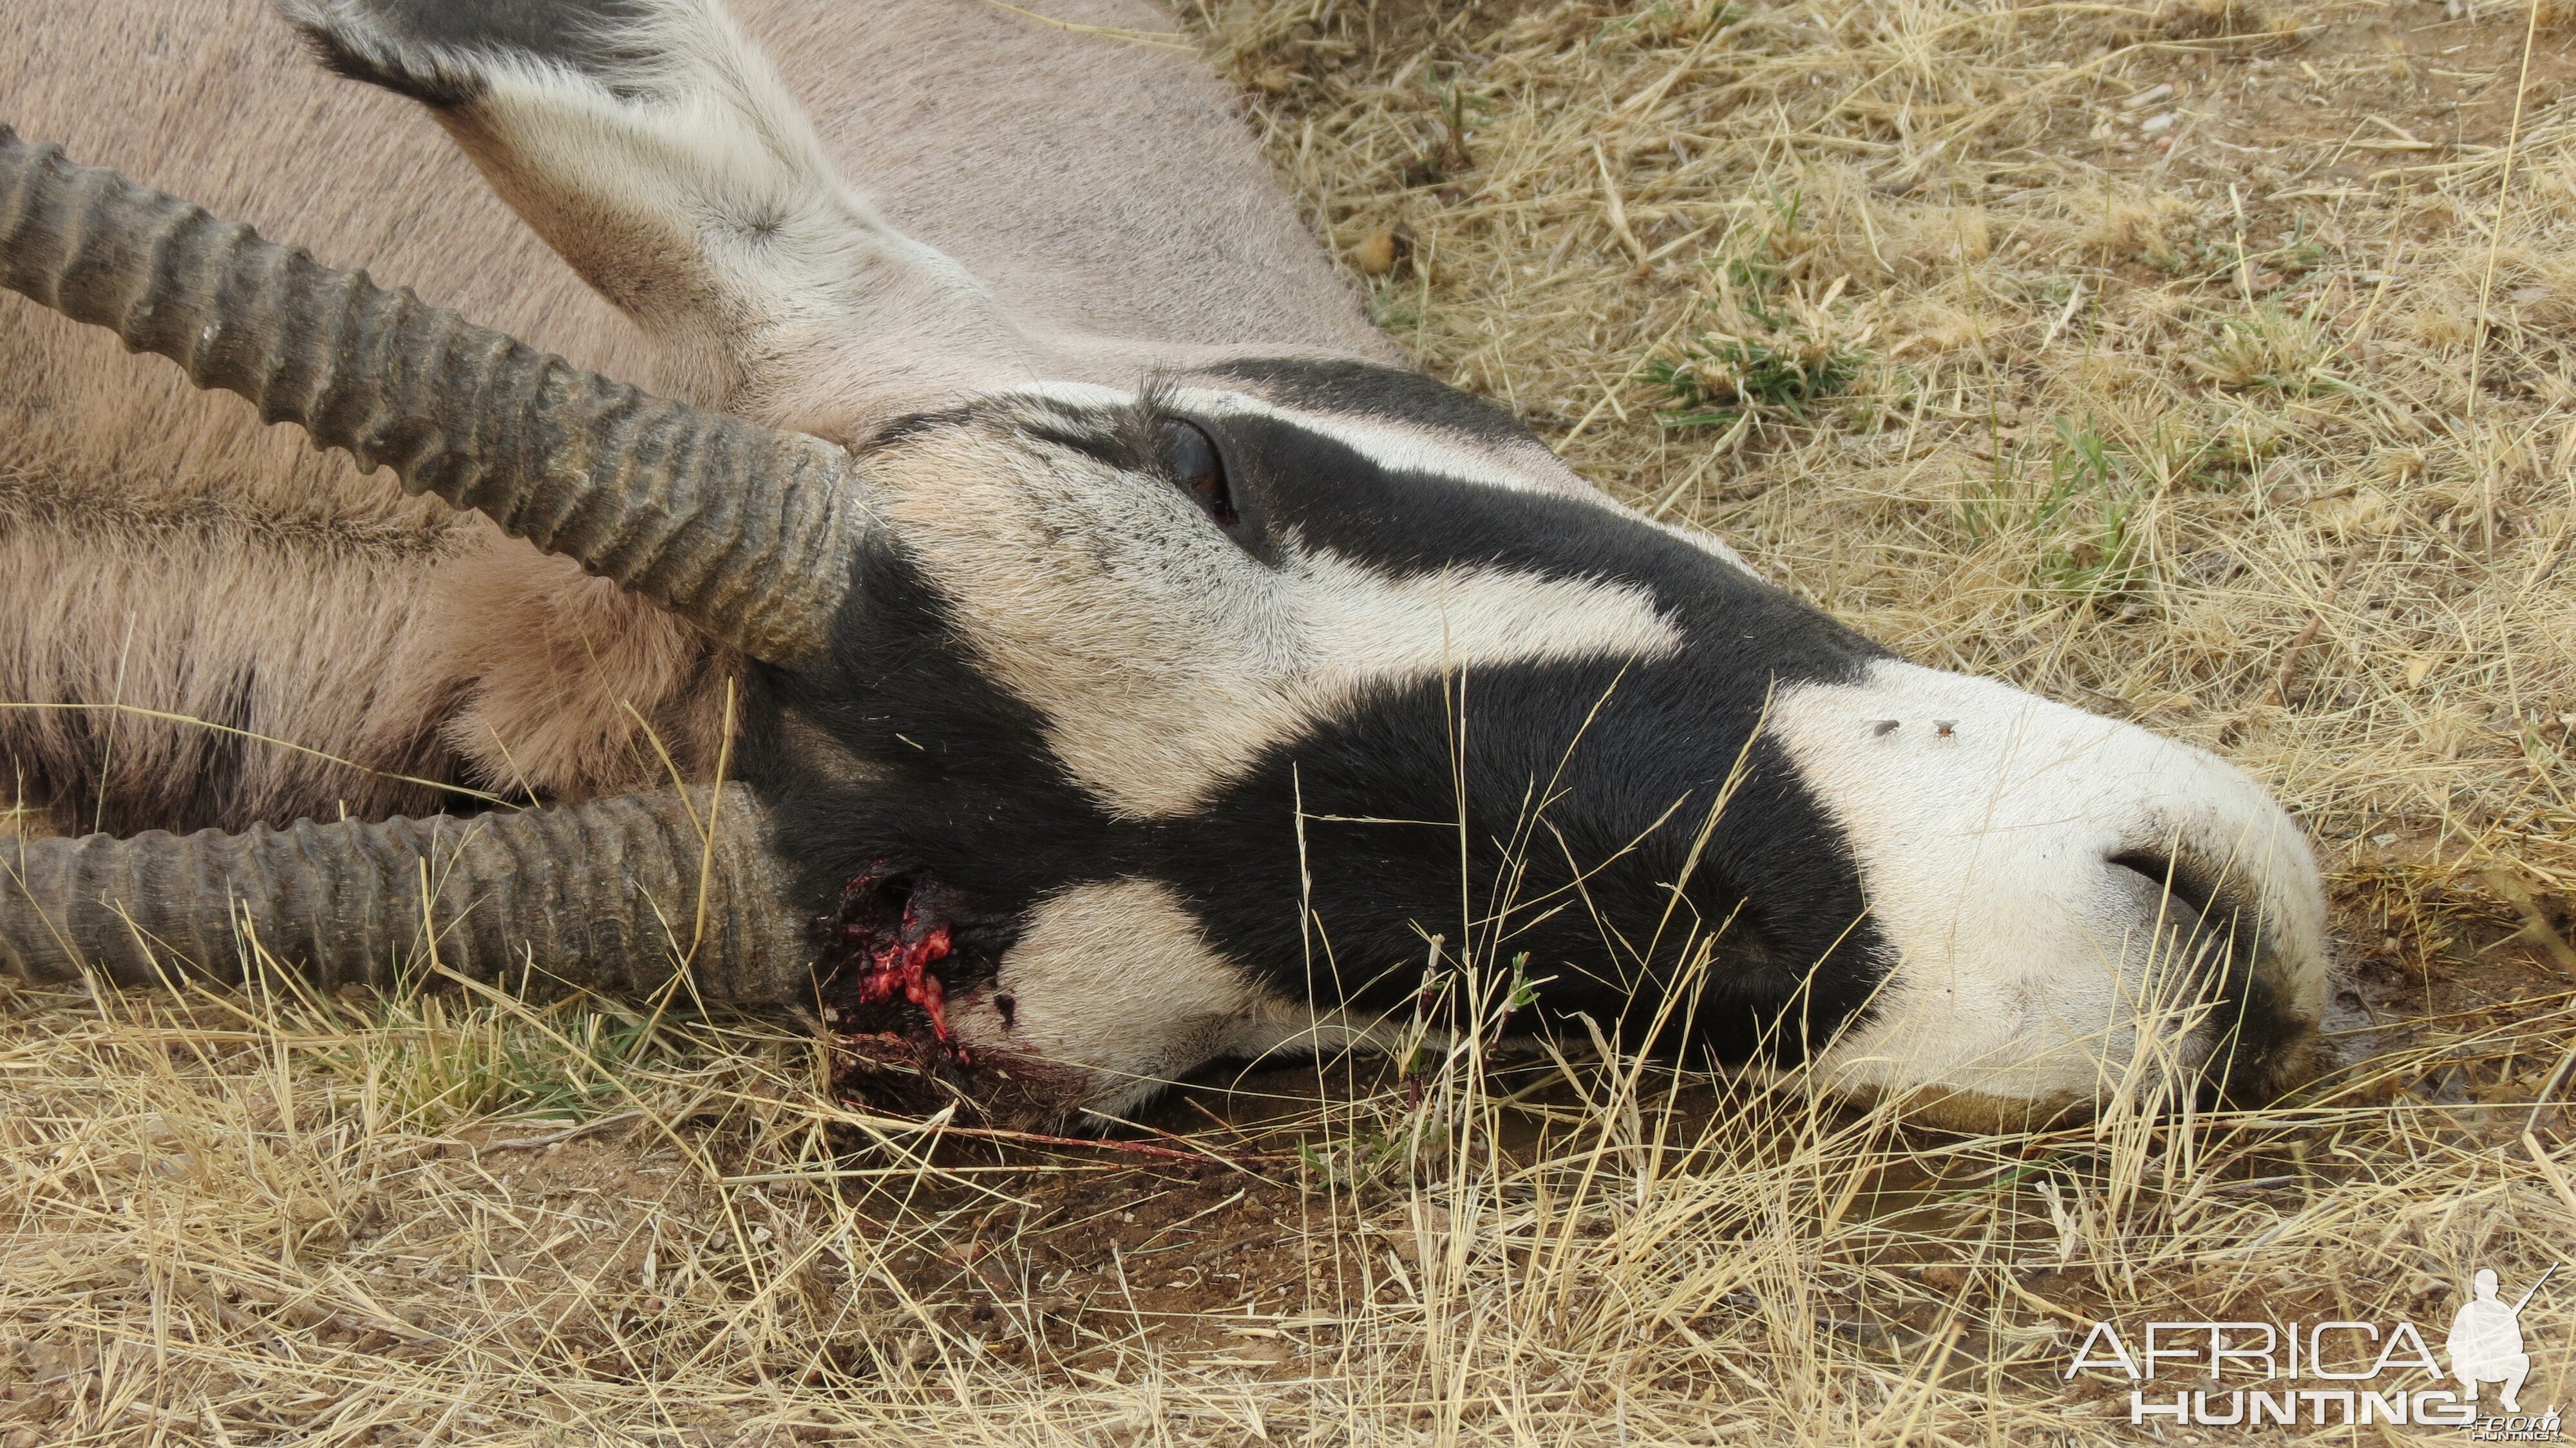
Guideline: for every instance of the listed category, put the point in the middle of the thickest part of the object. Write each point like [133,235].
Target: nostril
[2168,876]
[2235,975]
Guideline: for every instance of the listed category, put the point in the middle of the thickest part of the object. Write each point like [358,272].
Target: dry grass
[295,1220]
[2109,430]
[2264,436]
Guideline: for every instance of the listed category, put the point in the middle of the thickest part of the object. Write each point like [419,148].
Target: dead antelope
[1118,659]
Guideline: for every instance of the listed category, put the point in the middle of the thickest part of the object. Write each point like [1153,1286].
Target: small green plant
[2081,516]
[1455,108]
[1358,1160]
[2276,351]
[2100,566]
[2302,253]
[1524,990]
[437,1059]
[1773,353]
[1752,273]
[1718,379]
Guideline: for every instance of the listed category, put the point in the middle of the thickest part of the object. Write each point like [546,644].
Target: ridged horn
[609,895]
[744,530]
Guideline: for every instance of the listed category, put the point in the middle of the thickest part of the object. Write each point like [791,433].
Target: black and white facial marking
[1179,698]
[1159,723]
[2062,886]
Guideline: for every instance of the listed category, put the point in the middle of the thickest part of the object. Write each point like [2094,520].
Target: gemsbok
[1032,618]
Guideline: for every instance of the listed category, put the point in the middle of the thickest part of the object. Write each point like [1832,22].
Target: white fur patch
[1115,981]
[2029,966]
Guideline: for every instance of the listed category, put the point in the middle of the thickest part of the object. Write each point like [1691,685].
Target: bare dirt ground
[2203,363]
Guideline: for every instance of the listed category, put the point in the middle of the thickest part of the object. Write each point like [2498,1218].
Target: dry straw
[1872,289]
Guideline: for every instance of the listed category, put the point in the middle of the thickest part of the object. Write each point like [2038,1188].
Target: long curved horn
[746,531]
[611,895]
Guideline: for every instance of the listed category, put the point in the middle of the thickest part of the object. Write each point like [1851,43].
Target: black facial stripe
[964,786]
[908,426]
[1110,448]
[967,790]
[1657,739]
[1631,760]
[1412,523]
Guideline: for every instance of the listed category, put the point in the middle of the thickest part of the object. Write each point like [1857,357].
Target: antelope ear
[745,531]
[652,146]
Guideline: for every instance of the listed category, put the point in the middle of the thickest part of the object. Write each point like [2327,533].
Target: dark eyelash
[1140,431]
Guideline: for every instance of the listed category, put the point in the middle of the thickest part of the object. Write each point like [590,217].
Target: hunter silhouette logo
[2486,1339]
[2339,1373]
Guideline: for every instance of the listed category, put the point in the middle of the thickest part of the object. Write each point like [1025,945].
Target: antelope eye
[1191,460]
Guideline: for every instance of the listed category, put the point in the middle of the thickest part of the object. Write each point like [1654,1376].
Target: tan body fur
[165,559]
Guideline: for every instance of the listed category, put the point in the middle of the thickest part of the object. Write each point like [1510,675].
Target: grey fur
[1138,227]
